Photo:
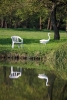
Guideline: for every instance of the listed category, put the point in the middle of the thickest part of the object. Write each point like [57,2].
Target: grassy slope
[31,41]
[32,47]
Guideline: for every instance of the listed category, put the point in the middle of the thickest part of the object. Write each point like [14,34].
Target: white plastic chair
[16,40]
[14,74]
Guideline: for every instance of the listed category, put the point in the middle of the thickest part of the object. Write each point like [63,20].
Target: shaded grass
[31,41]
[54,50]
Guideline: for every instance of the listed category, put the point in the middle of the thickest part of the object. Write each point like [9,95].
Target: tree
[63,91]
[56,4]
[34,13]
[54,23]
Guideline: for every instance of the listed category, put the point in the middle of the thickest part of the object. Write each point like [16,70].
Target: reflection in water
[29,87]
[15,74]
[43,76]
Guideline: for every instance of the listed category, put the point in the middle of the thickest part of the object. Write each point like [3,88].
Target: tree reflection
[4,72]
[64,88]
[52,78]
[28,86]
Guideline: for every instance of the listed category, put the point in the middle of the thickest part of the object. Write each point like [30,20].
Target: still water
[26,81]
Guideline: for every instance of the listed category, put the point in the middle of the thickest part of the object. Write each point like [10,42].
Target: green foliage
[60,60]
[31,41]
[54,51]
[18,12]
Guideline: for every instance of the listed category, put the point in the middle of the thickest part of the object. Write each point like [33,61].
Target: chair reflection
[43,76]
[15,74]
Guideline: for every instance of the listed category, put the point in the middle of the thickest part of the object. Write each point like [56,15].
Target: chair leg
[21,45]
[12,45]
[18,45]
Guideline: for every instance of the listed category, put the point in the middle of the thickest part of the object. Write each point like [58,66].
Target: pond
[25,80]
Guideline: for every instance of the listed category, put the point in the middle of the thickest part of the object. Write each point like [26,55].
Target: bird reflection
[15,74]
[43,76]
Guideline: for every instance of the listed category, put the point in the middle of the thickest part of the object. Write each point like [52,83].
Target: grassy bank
[31,46]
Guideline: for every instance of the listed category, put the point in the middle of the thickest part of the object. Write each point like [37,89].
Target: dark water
[27,86]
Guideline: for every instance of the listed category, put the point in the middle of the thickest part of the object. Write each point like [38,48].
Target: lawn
[53,55]
[31,41]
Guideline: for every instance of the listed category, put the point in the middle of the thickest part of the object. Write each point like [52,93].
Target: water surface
[28,86]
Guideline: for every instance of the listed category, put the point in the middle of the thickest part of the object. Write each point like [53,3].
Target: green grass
[31,41]
[55,50]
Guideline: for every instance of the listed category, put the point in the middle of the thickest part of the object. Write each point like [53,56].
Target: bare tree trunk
[50,88]
[5,24]
[4,71]
[66,26]
[53,21]
[40,23]
[49,26]
[10,25]
[2,22]
[15,25]
[63,91]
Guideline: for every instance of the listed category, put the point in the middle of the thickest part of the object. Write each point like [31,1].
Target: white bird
[43,41]
[43,76]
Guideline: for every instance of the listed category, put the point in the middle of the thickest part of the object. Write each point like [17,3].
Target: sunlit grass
[31,40]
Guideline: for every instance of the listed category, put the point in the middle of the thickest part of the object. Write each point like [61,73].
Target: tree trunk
[63,91]
[2,22]
[40,23]
[53,21]
[15,25]
[66,26]
[49,26]
[5,25]
[4,71]
[50,88]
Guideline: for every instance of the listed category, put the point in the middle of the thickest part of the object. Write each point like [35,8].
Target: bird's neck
[49,37]
[47,84]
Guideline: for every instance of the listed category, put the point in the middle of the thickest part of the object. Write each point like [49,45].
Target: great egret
[43,76]
[43,41]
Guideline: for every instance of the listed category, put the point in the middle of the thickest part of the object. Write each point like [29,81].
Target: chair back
[16,39]
[14,74]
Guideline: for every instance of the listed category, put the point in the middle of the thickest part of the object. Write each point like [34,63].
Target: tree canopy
[34,14]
